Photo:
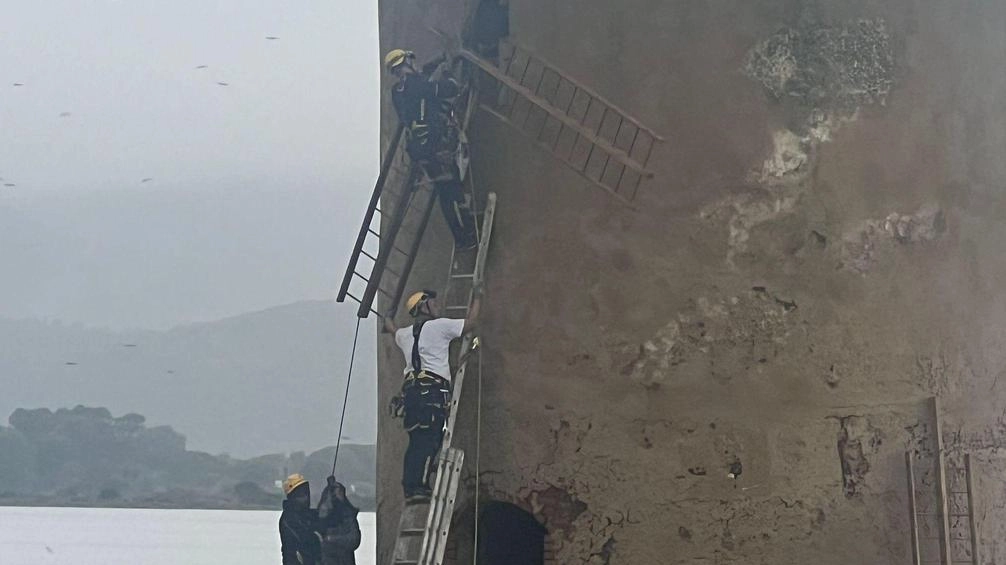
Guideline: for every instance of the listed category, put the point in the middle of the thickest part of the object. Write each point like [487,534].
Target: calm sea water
[113,536]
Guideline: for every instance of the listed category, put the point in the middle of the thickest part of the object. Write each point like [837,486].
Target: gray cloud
[254,190]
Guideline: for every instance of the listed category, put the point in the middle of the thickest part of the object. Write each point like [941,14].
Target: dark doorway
[510,536]
[490,23]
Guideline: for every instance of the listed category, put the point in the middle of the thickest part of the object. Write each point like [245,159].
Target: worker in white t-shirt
[426,389]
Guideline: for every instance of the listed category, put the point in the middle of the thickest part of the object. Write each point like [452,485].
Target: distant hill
[86,457]
[264,382]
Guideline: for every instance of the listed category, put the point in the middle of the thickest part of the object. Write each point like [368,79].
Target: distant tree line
[86,457]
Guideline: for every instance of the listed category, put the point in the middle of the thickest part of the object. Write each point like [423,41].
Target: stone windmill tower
[717,343]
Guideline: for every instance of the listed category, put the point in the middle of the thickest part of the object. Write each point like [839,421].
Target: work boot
[467,244]
[419,496]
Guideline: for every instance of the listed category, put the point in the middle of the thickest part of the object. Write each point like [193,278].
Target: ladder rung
[395,247]
[408,562]
[535,100]
[361,302]
[379,289]
[469,276]
[574,166]
[412,532]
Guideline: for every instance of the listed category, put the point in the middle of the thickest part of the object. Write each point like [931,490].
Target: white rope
[478,453]
[472,101]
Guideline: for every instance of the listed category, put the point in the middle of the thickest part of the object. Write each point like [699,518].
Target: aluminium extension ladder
[423,528]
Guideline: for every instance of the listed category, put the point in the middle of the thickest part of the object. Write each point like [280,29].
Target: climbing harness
[425,398]
[417,329]
[462,156]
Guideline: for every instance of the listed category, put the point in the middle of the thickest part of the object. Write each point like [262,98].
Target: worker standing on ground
[426,389]
[338,524]
[424,102]
[298,524]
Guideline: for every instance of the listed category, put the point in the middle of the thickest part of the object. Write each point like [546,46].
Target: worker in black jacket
[338,524]
[424,102]
[298,524]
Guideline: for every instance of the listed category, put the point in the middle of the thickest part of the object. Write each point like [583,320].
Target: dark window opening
[510,536]
[490,24]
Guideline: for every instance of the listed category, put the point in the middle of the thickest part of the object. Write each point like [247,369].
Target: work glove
[396,407]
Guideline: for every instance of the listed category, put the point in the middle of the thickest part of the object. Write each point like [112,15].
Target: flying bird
[65,114]
[69,363]
[129,345]
[203,67]
[271,37]
[148,179]
[223,84]
[170,372]
[18,84]
[9,184]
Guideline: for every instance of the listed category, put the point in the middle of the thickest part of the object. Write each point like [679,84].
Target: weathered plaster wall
[818,254]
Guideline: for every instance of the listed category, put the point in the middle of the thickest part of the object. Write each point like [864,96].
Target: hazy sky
[256,187]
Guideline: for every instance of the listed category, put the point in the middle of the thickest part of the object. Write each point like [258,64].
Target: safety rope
[345,399]
[472,100]
[478,459]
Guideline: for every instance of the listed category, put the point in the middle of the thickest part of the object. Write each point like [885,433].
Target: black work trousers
[420,458]
[451,193]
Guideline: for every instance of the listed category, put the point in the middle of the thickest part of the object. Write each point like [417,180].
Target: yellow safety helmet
[292,482]
[418,299]
[396,57]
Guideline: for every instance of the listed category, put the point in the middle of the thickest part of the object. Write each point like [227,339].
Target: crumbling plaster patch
[574,493]
[558,492]
[821,76]
[752,324]
[820,66]
[858,441]
[775,191]
[862,244]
